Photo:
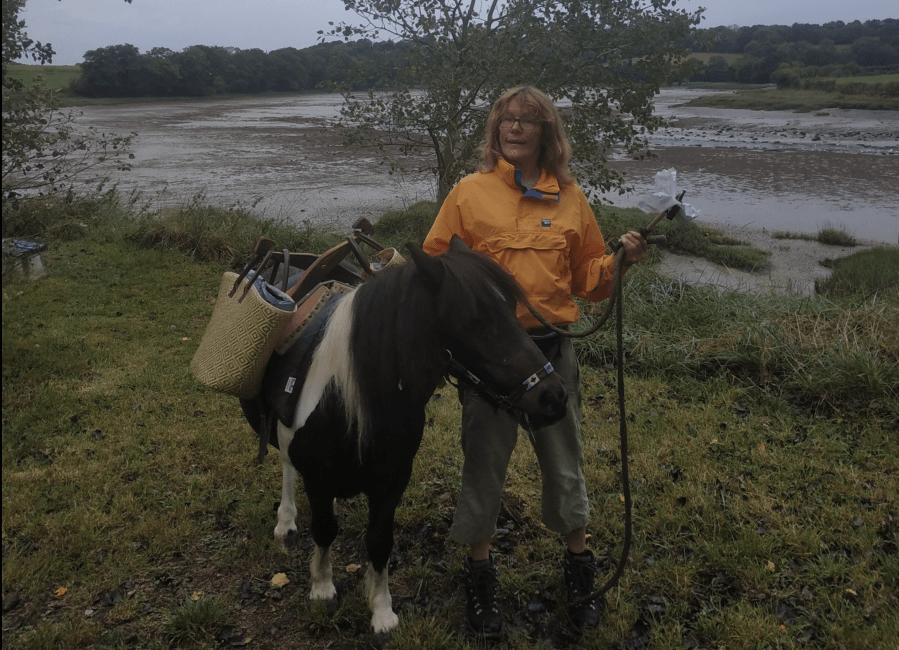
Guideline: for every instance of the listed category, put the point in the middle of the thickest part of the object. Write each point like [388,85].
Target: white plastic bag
[665,196]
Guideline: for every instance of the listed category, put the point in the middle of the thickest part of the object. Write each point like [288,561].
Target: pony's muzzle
[545,404]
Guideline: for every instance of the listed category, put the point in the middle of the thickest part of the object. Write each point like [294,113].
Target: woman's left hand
[634,247]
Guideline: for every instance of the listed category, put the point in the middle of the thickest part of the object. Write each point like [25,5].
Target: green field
[871,79]
[763,466]
[55,77]
[705,57]
[800,101]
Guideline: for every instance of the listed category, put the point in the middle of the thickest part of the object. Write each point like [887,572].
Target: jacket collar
[546,189]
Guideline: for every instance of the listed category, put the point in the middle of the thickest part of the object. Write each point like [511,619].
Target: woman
[524,210]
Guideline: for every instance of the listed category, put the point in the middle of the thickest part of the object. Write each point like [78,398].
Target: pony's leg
[322,584]
[286,530]
[383,619]
[324,530]
[379,542]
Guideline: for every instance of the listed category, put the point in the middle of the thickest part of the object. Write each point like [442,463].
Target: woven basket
[239,339]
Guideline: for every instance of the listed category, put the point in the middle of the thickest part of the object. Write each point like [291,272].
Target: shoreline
[795,263]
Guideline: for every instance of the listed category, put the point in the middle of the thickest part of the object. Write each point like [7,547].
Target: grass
[805,352]
[799,101]
[829,235]
[705,57]
[54,77]
[836,237]
[411,224]
[869,79]
[209,233]
[198,620]
[59,78]
[684,238]
[763,465]
[866,273]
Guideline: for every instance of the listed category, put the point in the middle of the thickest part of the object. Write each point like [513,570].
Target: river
[776,170]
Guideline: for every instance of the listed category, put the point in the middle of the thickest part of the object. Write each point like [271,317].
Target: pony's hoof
[325,592]
[287,539]
[384,622]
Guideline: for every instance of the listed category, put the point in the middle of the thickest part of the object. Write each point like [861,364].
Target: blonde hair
[555,151]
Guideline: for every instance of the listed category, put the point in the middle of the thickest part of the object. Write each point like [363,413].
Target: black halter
[506,402]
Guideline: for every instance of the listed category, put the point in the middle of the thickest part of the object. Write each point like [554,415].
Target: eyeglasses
[526,123]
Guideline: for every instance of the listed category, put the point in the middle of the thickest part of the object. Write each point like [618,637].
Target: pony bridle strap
[506,402]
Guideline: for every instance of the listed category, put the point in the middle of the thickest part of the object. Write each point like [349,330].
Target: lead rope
[615,302]
[622,434]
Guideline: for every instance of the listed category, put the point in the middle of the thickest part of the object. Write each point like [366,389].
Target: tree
[871,51]
[16,43]
[249,72]
[42,149]
[197,72]
[161,73]
[113,71]
[603,60]
[288,70]
[718,69]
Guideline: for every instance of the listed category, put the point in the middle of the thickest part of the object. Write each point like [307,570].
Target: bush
[836,237]
[397,227]
[210,233]
[65,217]
[786,77]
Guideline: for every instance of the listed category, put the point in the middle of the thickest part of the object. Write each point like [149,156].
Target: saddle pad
[307,311]
[286,373]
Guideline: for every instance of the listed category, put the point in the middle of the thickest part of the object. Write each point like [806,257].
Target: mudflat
[751,172]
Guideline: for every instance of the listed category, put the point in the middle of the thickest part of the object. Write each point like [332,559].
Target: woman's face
[520,131]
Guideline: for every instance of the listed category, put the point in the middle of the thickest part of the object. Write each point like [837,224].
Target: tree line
[202,70]
[784,54]
[734,39]
[768,54]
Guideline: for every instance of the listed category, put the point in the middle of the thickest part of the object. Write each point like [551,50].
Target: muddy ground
[750,172]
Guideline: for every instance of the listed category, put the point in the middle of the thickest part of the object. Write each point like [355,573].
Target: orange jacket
[546,237]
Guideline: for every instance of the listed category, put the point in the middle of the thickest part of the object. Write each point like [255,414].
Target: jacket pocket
[538,260]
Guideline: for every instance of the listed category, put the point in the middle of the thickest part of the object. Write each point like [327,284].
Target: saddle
[316,283]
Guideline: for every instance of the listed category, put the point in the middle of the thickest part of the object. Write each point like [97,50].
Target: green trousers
[489,435]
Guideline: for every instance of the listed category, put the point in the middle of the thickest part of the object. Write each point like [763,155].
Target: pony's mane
[333,368]
[476,274]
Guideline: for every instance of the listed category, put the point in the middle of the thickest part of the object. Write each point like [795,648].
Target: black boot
[580,571]
[481,598]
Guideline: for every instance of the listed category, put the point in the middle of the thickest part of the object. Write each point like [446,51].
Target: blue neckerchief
[535,194]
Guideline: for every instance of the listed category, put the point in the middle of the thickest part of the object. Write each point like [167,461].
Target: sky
[75,26]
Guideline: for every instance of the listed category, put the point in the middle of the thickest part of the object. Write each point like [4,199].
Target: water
[781,190]
[776,170]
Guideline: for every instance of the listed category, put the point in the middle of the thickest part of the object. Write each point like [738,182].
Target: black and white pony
[360,415]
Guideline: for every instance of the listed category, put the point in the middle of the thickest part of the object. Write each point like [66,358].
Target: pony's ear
[458,244]
[431,267]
